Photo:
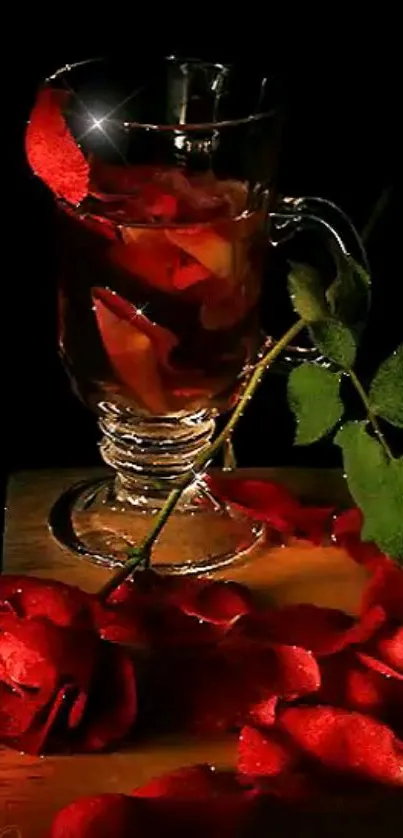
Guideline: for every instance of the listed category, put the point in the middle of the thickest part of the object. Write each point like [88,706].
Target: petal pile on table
[314,695]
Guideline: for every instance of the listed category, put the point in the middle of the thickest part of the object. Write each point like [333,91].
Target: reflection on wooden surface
[33,789]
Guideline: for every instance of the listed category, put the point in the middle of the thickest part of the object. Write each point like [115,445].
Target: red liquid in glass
[159,290]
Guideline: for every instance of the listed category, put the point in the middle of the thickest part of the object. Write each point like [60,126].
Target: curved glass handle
[293,215]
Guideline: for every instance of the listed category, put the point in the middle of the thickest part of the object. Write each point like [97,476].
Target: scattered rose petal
[275,505]
[389,647]
[385,588]
[379,666]
[52,152]
[346,742]
[104,816]
[219,602]
[265,753]
[323,631]
[62,604]
[347,534]
[112,706]
[236,682]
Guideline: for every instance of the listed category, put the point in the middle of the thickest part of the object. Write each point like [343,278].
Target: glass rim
[181,127]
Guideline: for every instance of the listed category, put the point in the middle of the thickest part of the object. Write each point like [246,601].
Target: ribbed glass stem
[151,455]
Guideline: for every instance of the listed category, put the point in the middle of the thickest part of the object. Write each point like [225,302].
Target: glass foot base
[206,535]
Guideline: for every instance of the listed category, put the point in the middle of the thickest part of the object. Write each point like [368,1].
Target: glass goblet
[164,180]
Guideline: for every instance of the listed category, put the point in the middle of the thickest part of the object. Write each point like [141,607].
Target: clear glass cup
[165,181]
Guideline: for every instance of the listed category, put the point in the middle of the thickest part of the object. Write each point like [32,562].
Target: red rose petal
[17,713]
[150,258]
[348,682]
[312,522]
[121,625]
[35,738]
[37,654]
[389,646]
[263,713]
[275,505]
[184,276]
[196,782]
[347,534]
[265,501]
[162,339]
[323,631]
[112,705]
[201,800]
[265,754]
[62,604]
[132,356]
[379,666]
[385,588]
[234,683]
[51,149]
[219,602]
[105,816]
[346,742]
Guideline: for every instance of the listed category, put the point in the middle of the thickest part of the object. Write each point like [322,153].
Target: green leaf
[376,484]
[386,391]
[313,396]
[335,341]
[307,293]
[349,295]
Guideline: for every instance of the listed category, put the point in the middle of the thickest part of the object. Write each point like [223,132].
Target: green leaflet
[313,396]
[386,391]
[348,296]
[307,292]
[376,485]
[335,341]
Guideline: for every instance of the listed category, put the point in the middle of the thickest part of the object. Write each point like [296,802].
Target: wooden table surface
[32,789]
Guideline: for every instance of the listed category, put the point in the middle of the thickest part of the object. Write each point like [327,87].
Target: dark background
[341,142]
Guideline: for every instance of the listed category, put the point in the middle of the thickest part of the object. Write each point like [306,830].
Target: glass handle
[292,215]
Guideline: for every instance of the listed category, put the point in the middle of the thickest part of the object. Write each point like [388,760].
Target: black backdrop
[340,142]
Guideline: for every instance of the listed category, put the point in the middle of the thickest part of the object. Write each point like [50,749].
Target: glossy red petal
[345,741]
[37,654]
[17,713]
[51,149]
[347,534]
[323,631]
[170,628]
[265,501]
[219,602]
[379,666]
[111,709]
[235,683]
[265,753]
[36,738]
[313,522]
[389,647]
[272,503]
[348,682]
[64,605]
[104,816]
[385,588]
[123,623]
[195,782]
[212,697]
[201,800]
[163,340]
